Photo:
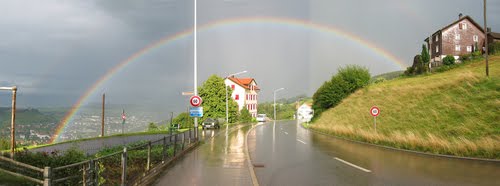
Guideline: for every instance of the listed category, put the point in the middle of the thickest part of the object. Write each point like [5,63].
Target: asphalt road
[284,153]
[220,160]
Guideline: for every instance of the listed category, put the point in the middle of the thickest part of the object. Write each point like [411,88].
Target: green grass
[456,112]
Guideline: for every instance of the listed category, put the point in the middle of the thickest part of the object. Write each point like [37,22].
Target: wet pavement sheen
[219,160]
[291,155]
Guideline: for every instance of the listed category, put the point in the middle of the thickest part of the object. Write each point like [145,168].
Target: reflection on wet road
[220,160]
[290,155]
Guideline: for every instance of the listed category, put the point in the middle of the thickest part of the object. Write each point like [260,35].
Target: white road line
[286,133]
[301,141]
[352,165]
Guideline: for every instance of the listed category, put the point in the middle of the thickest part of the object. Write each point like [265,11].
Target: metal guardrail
[135,162]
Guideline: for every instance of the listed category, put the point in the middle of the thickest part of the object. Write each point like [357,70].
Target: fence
[132,165]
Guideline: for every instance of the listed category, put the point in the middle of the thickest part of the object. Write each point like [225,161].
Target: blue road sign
[196,112]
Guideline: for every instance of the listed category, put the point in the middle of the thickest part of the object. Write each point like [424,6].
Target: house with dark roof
[461,37]
[245,93]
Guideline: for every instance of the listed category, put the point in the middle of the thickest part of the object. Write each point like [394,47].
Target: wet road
[287,154]
[220,160]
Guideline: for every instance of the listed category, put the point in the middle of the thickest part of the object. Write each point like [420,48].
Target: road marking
[286,133]
[352,165]
[301,141]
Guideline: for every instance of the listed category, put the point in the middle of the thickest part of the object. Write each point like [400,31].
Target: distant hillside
[455,112]
[25,116]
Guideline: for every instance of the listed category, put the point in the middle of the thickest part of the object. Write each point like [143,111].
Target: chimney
[460,16]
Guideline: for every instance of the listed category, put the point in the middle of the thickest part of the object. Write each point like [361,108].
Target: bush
[476,54]
[245,116]
[346,81]
[409,71]
[379,80]
[449,60]
[465,57]
[494,48]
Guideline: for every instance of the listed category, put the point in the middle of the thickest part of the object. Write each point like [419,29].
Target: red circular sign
[375,111]
[195,101]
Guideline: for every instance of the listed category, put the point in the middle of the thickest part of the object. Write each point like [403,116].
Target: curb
[249,161]
[404,150]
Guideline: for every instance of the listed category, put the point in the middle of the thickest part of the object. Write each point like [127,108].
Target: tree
[152,127]
[214,99]
[426,58]
[245,116]
[183,120]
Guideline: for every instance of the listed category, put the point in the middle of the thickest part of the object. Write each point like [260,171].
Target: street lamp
[13,120]
[274,95]
[195,69]
[227,107]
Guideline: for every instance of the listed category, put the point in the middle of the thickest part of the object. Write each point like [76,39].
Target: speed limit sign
[195,101]
[375,111]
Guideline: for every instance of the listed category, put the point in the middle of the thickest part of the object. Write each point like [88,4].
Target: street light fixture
[274,95]
[227,107]
[13,120]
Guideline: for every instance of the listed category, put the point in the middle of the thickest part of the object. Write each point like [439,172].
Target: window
[457,47]
[469,48]
[457,37]
[437,38]
[437,49]
[232,87]
[236,97]
[475,38]
[462,26]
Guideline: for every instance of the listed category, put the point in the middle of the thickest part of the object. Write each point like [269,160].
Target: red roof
[243,82]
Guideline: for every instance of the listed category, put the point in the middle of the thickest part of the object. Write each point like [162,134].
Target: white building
[245,91]
[305,113]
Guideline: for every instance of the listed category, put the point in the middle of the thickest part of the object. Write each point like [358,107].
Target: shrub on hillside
[245,116]
[346,81]
[494,48]
[477,54]
[465,57]
[449,60]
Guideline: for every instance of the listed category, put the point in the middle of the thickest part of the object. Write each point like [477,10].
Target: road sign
[190,93]
[375,111]
[195,101]
[196,112]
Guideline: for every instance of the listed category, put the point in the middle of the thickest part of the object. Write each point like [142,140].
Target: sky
[55,51]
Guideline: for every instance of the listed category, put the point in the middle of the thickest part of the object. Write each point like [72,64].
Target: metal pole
[195,69]
[486,40]
[13,123]
[102,116]
[124,166]
[227,108]
[375,122]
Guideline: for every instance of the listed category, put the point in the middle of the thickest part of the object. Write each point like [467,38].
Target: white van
[261,118]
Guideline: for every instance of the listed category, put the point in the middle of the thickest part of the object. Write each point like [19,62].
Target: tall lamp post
[274,95]
[13,120]
[227,106]
[195,70]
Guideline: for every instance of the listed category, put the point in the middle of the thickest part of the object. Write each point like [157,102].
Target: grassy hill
[455,112]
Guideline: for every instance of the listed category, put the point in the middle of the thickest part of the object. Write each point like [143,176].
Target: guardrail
[125,167]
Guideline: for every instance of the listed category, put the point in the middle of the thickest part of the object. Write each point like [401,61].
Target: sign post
[375,111]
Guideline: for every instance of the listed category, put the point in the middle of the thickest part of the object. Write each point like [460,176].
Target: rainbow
[298,23]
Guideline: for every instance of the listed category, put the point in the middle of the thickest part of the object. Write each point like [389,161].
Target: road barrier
[132,165]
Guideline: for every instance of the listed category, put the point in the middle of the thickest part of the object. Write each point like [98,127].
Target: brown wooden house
[456,39]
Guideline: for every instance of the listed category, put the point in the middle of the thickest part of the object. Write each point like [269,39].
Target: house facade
[245,93]
[458,38]
[493,37]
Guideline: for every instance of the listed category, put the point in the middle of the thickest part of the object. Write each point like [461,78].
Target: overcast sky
[55,50]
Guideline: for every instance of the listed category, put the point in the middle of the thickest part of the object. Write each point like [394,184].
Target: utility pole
[486,40]
[102,115]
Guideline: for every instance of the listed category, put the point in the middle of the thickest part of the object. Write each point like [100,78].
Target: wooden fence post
[175,144]
[124,167]
[47,176]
